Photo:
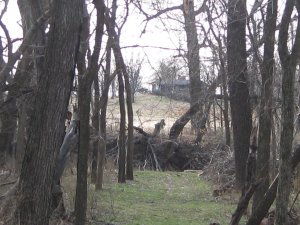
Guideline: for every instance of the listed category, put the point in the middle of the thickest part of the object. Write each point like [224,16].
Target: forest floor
[155,198]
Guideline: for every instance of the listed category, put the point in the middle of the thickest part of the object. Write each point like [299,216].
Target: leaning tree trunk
[238,88]
[51,98]
[180,123]
[265,112]
[192,56]
[264,205]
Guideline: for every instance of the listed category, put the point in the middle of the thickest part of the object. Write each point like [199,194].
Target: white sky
[131,35]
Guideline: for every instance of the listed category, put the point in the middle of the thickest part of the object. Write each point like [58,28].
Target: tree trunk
[224,86]
[120,61]
[52,96]
[265,112]
[113,89]
[84,99]
[21,138]
[180,123]
[289,62]
[122,135]
[192,56]
[104,100]
[86,78]
[96,129]
[214,117]
[264,205]
[8,129]
[226,119]
[238,88]
[123,71]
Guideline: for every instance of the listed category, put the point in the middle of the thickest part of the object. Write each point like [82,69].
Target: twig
[8,183]
[292,206]
[26,41]
[154,156]
[141,131]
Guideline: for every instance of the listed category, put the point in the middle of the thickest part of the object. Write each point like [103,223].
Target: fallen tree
[180,123]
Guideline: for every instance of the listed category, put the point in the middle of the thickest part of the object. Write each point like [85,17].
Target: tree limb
[262,209]
[23,47]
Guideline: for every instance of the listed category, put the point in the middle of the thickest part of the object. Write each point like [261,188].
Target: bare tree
[289,61]
[265,111]
[86,76]
[123,74]
[193,46]
[103,107]
[51,98]
[134,73]
[238,88]
[216,30]
[96,129]
[15,85]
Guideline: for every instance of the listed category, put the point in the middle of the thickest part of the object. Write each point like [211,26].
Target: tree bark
[123,71]
[96,129]
[120,61]
[193,58]
[238,88]
[265,112]
[122,132]
[84,99]
[180,123]
[264,205]
[104,100]
[224,79]
[289,62]
[86,78]
[51,98]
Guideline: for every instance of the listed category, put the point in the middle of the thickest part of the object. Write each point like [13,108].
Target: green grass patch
[159,198]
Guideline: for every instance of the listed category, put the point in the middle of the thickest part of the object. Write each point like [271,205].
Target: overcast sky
[131,35]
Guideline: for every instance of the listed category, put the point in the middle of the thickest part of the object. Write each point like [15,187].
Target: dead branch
[141,131]
[243,204]
[259,213]
[180,123]
[154,155]
[154,16]
[23,47]
[4,9]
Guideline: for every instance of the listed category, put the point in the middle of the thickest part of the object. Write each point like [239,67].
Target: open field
[148,109]
[156,198]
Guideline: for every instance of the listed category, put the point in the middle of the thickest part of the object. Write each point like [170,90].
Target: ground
[156,198]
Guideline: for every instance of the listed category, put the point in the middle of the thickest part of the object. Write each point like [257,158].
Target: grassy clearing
[158,198]
[149,109]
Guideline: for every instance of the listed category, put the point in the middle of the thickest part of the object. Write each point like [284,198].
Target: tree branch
[23,47]
[284,30]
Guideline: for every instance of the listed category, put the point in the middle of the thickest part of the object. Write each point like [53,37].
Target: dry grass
[148,110]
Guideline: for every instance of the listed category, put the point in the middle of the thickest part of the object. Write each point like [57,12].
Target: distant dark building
[176,89]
